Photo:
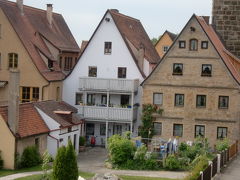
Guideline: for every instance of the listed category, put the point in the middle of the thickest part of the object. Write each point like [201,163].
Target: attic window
[50,64]
[108,48]
[204,45]
[193,45]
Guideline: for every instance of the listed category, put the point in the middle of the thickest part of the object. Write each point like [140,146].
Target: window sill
[179,106]
[107,53]
[206,75]
[201,107]
[177,74]
[223,108]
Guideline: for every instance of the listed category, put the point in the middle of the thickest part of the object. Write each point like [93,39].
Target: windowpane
[193,45]
[158,98]
[12,60]
[68,63]
[206,70]
[222,132]
[104,100]
[177,69]
[79,98]
[102,129]
[122,72]
[165,48]
[92,71]
[204,45]
[91,99]
[177,130]
[201,100]
[157,128]
[107,47]
[179,99]
[35,94]
[182,44]
[223,101]
[25,94]
[199,131]
[89,129]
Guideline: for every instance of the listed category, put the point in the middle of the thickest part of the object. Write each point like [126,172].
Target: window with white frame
[157,98]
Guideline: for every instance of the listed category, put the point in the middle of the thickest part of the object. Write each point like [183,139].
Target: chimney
[13,100]
[49,14]
[206,19]
[20,6]
[141,53]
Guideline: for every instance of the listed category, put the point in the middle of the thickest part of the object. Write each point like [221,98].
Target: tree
[71,158]
[154,41]
[59,164]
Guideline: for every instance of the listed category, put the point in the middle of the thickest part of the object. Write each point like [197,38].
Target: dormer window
[177,69]
[108,48]
[12,60]
[50,64]
[193,45]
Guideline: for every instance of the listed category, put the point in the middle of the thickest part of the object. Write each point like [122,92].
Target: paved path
[232,172]
[93,161]
[19,175]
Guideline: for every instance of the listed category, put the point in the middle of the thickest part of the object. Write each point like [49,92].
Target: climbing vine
[146,130]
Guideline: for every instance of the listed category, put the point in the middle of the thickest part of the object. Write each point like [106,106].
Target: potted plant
[82,142]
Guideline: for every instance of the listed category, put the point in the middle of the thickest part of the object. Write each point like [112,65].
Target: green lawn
[9,172]
[90,175]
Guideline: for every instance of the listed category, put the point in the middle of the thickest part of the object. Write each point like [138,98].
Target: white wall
[107,65]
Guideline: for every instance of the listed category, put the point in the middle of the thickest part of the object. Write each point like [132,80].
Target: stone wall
[226,19]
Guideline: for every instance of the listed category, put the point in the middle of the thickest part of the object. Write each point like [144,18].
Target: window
[165,48]
[206,70]
[37,142]
[204,44]
[222,132]
[122,72]
[158,98]
[90,129]
[223,102]
[107,47]
[125,100]
[182,44]
[177,69]
[157,128]
[92,71]
[90,99]
[75,141]
[12,60]
[179,99]
[193,45]
[199,131]
[60,62]
[201,100]
[117,129]
[50,64]
[78,99]
[102,129]
[178,130]
[68,63]
[104,99]
[29,94]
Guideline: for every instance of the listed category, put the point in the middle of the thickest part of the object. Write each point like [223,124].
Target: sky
[83,16]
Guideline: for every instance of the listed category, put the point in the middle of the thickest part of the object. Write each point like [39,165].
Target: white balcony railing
[122,85]
[108,113]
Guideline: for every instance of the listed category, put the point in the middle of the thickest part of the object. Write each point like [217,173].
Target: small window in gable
[193,45]
[182,44]
[92,71]
[206,70]
[204,45]
[165,48]
[122,72]
[12,60]
[107,47]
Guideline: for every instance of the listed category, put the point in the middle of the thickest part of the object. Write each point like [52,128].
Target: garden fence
[219,162]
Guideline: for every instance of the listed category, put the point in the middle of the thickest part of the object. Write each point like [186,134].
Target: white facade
[106,84]
[59,136]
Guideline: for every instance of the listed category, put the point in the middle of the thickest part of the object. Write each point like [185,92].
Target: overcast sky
[83,16]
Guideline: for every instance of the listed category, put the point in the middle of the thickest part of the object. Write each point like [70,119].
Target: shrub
[82,141]
[65,164]
[222,145]
[172,163]
[120,149]
[140,154]
[30,157]
[1,161]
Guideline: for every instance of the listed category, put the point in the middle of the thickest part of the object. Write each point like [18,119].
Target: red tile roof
[30,121]
[32,28]
[228,58]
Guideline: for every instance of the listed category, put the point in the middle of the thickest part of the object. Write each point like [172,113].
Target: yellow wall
[7,145]
[164,41]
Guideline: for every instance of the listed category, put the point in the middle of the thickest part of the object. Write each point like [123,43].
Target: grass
[7,172]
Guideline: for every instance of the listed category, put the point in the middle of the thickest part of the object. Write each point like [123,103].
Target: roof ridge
[123,15]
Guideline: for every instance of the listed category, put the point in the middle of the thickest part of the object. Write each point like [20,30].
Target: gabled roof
[65,120]
[170,34]
[132,30]
[30,121]
[227,57]
[33,28]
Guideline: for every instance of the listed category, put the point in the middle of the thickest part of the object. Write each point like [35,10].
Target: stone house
[197,85]
[164,42]
[39,43]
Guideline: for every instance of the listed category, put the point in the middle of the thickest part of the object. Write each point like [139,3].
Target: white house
[63,123]
[104,84]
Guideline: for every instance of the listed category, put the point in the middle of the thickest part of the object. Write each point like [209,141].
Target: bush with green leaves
[172,163]
[1,161]
[222,145]
[65,164]
[82,141]
[30,157]
[120,149]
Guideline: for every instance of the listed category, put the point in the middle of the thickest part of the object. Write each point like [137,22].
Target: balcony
[115,85]
[108,113]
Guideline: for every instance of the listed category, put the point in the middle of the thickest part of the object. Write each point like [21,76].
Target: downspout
[43,90]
